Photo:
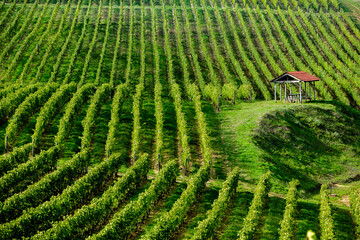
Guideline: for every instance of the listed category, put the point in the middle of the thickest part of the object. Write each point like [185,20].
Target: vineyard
[155,119]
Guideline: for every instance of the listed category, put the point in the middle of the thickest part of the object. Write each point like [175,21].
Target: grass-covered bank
[314,142]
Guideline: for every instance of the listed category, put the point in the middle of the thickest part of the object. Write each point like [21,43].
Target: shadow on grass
[309,143]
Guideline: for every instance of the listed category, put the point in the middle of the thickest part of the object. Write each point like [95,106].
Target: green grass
[316,142]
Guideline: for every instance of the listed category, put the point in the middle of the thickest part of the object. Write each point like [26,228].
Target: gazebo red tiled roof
[300,76]
[304,76]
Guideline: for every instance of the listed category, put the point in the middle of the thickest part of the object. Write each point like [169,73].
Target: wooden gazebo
[287,80]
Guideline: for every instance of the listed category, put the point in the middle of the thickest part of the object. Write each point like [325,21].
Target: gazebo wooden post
[280,91]
[285,93]
[314,91]
[305,93]
[275,93]
[300,92]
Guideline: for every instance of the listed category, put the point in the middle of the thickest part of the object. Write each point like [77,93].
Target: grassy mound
[315,143]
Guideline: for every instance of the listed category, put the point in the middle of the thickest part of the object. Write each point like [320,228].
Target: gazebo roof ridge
[298,75]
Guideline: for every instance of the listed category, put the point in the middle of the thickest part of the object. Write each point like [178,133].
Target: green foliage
[27,109]
[108,21]
[229,91]
[50,108]
[9,89]
[12,101]
[117,46]
[212,93]
[207,227]
[71,110]
[244,92]
[157,92]
[64,47]
[58,206]
[15,157]
[201,125]
[8,12]
[286,231]
[126,220]
[326,220]
[135,136]
[25,43]
[88,123]
[91,47]
[194,54]
[120,94]
[170,221]
[320,138]
[88,216]
[44,37]
[5,34]
[33,169]
[252,219]
[78,44]
[49,185]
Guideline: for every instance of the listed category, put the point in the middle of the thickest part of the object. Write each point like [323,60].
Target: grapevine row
[287,224]
[44,37]
[88,123]
[4,18]
[53,40]
[252,219]
[130,46]
[39,218]
[117,45]
[230,51]
[126,220]
[77,46]
[91,47]
[27,109]
[108,21]
[355,209]
[320,70]
[16,179]
[213,76]
[248,63]
[33,194]
[157,90]
[14,158]
[119,96]
[25,42]
[4,36]
[12,101]
[253,49]
[326,220]
[344,82]
[171,220]
[194,54]
[297,60]
[218,56]
[50,108]
[207,227]
[176,95]
[5,92]
[71,110]
[64,47]
[85,218]
[49,185]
